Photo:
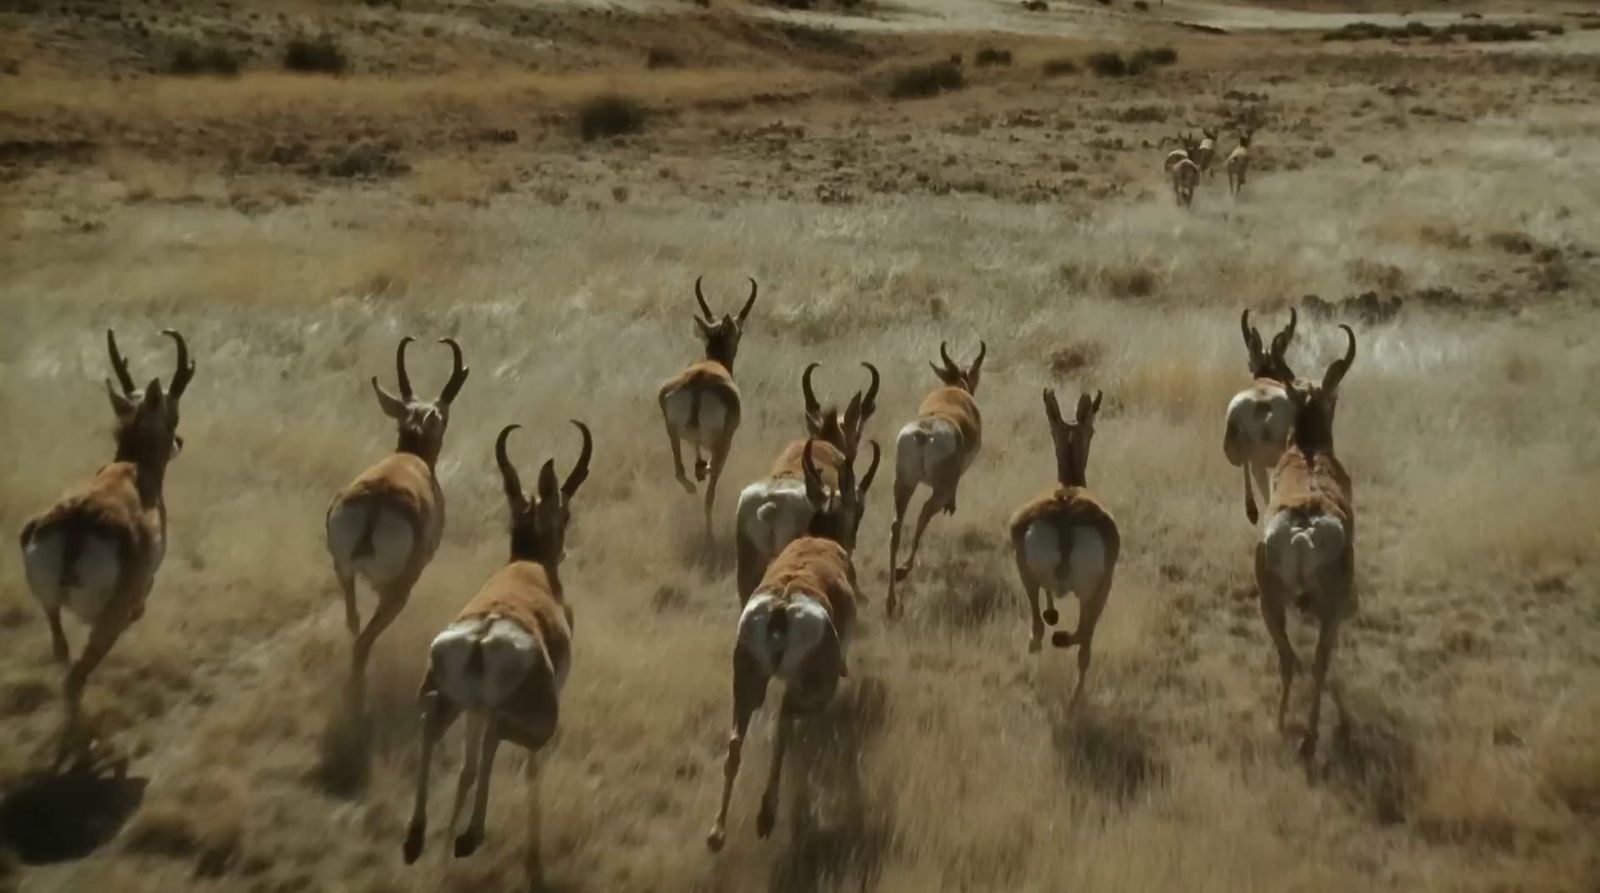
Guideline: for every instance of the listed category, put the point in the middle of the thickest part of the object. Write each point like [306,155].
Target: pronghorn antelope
[1205,151]
[1260,416]
[1187,147]
[1238,162]
[936,449]
[504,659]
[797,626]
[96,552]
[387,524]
[1186,175]
[1065,540]
[775,510]
[701,403]
[1306,552]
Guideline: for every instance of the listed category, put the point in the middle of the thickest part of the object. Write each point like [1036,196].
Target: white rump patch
[1084,565]
[94,573]
[1298,551]
[773,514]
[783,655]
[393,541]
[713,417]
[508,654]
[922,447]
[1260,421]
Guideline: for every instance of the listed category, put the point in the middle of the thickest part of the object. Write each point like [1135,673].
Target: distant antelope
[1186,146]
[1238,162]
[1306,553]
[96,552]
[1065,540]
[701,403]
[1260,416]
[387,524]
[504,659]
[1205,151]
[936,449]
[775,510]
[797,627]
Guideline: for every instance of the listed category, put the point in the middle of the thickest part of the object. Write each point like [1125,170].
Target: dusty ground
[295,225]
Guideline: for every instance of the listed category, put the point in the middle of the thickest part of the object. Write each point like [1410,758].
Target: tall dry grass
[949,761]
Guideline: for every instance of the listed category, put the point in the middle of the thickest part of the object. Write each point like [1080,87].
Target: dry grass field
[1439,196]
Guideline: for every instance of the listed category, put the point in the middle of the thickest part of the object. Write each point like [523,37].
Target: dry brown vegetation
[294,225]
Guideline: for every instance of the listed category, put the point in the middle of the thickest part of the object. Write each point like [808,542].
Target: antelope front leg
[535,864]
[767,817]
[902,500]
[390,603]
[937,500]
[719,456]
[436,719]
[101,638]
[471,744]
[58,637]
[352,617]
[472,838]
[1272,611]
[749,690]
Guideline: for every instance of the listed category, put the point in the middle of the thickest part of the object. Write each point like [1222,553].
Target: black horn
[185,370]
[700,298]
[508,472]
[813,406]
[458,372]
[400,375]
[749,302]
[869,403]
[1342,365]
[580,469]
[119,365]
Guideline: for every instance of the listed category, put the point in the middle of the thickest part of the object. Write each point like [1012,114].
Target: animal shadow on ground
[962,593]
[1371,757]
[713,561]
[1106,750]
[839,838]
[50,817]
[345,766]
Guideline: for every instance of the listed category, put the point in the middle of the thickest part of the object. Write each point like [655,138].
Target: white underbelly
[85,588]
[704,428]
[392,544]
[1078,571]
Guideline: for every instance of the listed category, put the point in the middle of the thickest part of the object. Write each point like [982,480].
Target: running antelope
[1238,162]
[936,449]
[96,552]
[797,626]
[1185,176]
[775,510]
[701,403]
[1065,540]
[1260,416]
[504,659]
[1186,145]
[387,524]
[1306,553]
[1205,151]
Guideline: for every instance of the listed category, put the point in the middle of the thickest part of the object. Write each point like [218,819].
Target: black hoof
[1061,639]
[1051,616]
[1308,748]
[701,469]
[467,844]
[714,841]
[900,574]
[1252,514]
[764,823]
[413,845]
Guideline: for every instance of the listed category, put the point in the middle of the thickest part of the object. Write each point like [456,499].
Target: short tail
[363,547]
[694,409]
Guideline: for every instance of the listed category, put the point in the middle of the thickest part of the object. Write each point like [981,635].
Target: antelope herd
[502,662]
[1184,165]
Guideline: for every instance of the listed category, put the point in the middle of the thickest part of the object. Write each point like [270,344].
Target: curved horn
[944,354]
[580,469]
[983,351]
[1052,409]
[813,406]
[749,302]
[700,297]
[119,365]
[400,369]
[869,403]
[872,469]
[458,372]
[508,472]
[815,494]
[185,370]
[1342,365]
[1281,343]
